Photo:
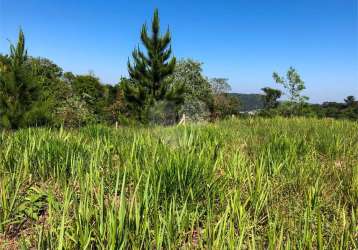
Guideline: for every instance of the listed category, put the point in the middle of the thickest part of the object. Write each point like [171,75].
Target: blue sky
[242,40]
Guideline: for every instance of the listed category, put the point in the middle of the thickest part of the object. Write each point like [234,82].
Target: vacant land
[253,183]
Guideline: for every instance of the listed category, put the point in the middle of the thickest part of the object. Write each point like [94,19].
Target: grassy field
[253,183]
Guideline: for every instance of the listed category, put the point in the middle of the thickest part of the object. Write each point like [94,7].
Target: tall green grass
[236,184]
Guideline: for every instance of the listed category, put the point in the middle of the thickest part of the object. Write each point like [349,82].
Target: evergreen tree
[150,73]
[19,91]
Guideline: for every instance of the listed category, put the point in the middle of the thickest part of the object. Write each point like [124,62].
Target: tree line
[297,104]
[158,90]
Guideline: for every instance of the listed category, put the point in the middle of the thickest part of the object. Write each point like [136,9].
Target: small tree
[271,98]
[294,86]
[149,73]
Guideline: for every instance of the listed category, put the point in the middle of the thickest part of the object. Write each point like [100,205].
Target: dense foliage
[271,98]
[198,96]
[20,90]
[236,184]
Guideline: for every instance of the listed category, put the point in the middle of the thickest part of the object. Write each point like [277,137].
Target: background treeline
[159,90]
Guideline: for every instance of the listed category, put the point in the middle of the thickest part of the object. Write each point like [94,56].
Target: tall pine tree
[19,91]
[150,73]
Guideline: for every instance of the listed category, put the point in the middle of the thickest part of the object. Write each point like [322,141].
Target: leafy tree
[81,100]
[271,97]
[189,74]
[19,90]
[198,96]
[89,89]
[293,84]
[149,73]
[53,89]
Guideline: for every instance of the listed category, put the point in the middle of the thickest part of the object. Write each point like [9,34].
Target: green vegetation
[149,83]
[198,95]
[20,93]
[36,92]
[293,84]
[75,182]
[271,98]
[236,184]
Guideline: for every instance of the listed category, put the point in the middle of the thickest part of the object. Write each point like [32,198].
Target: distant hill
[249,102]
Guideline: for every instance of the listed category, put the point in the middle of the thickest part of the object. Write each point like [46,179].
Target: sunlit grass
[252,183]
